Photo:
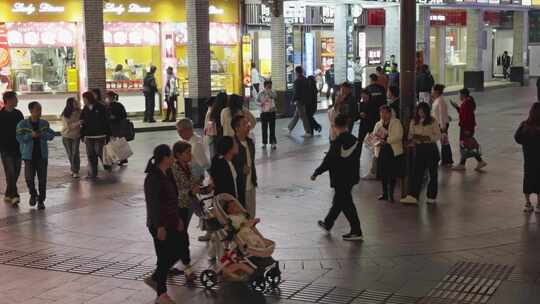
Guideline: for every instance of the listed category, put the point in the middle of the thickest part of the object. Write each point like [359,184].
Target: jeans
[300,114]
[72,150]
[12,169]
[31,169]
[94,152]
[171,108]
[167,255]
[426,159]
[343,202]
[268,120]
[149,107]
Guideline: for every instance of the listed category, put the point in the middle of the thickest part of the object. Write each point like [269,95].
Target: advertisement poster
[4,60]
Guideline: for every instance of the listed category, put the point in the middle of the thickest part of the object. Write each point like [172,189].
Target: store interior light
[214,10]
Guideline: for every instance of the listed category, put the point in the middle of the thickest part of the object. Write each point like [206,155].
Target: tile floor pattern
[94,238]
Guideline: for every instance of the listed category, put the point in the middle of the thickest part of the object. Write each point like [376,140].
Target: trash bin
[284,104]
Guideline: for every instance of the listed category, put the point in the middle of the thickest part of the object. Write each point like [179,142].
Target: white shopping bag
[366,162]
[108,155]
[120,148]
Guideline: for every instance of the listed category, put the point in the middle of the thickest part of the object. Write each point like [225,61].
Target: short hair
[394,64]
[184,124]
[347,85]
[153,69]
[385,108]
[379,69]
[439,88]
[33,104]
[8,95]
[224,145]
[299,70]
[267,82]
[394,90]
[112,95]
[341,121]
[373,77]
[357,58]
[235,123]
[465,92]
[180,147]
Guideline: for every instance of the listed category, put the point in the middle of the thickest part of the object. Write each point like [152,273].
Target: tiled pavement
[449,253]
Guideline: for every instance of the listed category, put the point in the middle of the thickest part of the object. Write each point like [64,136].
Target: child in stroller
[248,256]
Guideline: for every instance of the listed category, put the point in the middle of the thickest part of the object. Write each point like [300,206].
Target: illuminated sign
[29,9]
[48,8]
[213,10]
[113,8]
[120,9]
[23,8]
[139,9]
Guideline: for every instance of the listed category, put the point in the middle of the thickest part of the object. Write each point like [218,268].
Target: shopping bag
[366,161]
[108,155]
[120,148]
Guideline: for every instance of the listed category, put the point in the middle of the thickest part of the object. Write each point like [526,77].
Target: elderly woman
[388,151]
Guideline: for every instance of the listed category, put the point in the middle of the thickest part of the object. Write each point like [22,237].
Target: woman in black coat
[528,135]
[222,170]
[311,105]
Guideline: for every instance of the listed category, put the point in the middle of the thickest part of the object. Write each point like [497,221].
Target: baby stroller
[241,262]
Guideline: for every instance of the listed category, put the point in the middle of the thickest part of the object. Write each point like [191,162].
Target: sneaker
[263,147]
[528,208]
[353,237]
[33,201]
[7,199]
[431,201]
[323,226]
[75,175]
[480,165]
[164,299]
[41,205]
[274,146]
[188,272]
[459,168]
[409,199]
[204,238]
[150,282]
[15,201]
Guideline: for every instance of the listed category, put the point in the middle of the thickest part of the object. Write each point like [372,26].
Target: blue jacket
[26,142]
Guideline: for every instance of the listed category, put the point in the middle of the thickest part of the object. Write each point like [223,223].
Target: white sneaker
[15,200]
[409,199]
[481,165]
[75,175]
[459,168]
[528,208]
[431,201]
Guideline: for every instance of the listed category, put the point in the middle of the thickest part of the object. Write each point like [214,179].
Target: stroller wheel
[209,278]
[273,279]
[259,284]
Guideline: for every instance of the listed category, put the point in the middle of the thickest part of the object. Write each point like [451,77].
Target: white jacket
[440,112]
[395,136]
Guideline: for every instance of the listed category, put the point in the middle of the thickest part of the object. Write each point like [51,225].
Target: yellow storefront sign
[40,11]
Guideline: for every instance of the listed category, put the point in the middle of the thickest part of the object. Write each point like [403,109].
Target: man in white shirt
[200,162]
[440,112]
[358,76]
[255,79]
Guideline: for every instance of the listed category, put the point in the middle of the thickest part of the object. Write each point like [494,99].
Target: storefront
[39,50]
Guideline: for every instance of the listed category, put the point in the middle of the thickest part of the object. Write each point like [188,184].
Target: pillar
[391,32]
[198,56]
[476,39]
[279,58]
[423,31]
[340,38]
[519,29]
[92,58]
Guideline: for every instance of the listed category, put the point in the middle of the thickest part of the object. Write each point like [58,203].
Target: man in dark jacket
[424,84]
[369,113]
[506,61]
[330,78]
[95,131]
[349,104]
[150,89]
[244,163]
[300,98]
[343,162]
[9,147]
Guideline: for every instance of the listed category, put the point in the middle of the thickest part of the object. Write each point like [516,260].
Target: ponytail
[160,152]
[150,165]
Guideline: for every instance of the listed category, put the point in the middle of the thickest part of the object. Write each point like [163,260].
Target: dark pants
[185,215]
[12,170]
[268,120]
[149,107]
[505,71]
[167,255]
[446,154]
[171,108]
[426,159]
[357,89]
[94,152]
[388,185]
[343,202]
[329,90]
[31,169]
[72,150]
[315,125]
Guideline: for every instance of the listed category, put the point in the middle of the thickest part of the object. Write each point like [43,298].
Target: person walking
[117,116]
[150,89]
[469,146]
[33,134]
[267,101]
[440,112]
[223,172]
[71,134]
[389,152]
[198,149]
[163,220]
[171,95]
[330,79]
[234,108]
[188,186]
[244,163]
[424,84]
[95,131]
[506,61]
[528,136]
[312,104]
[424,133]
[300,99]
[255,79]
[9,147]
[343,163]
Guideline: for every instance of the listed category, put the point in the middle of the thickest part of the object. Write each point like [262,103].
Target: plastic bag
[120,149]
[366,161]
[108,156]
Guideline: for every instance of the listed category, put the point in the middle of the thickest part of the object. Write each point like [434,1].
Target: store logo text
[119,9]
[29,9]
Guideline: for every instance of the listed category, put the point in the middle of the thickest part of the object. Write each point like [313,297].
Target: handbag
[129,129]
[120,149]
[108,155]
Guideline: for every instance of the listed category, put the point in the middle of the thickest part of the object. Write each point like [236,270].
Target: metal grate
[469,282]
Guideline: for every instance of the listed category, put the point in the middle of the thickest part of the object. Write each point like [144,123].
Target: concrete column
[198,55]
[392,32]
[475,26]
[279,52]
[519,41]
[340,38]
[423,32]
[92,59]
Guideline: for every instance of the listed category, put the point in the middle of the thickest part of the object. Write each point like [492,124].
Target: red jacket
[467,120]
